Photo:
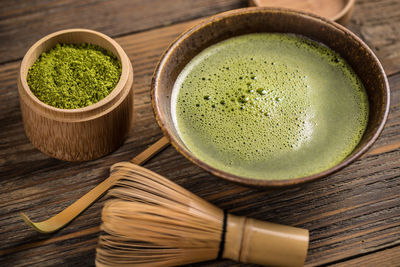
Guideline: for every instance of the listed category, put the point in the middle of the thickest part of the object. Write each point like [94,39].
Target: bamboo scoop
[151,221]
[60,220]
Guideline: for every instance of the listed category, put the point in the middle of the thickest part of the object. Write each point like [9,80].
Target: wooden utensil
[60,220]
[339,11]
[151,221]
[84,133]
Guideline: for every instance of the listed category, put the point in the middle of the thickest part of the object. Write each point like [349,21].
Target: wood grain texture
[23,22]
[376,22]
[385,258]
[353,216]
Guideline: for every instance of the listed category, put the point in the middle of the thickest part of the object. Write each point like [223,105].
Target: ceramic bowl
[84,133]
[251,20]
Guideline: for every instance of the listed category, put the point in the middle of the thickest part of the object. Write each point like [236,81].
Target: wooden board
[353,216]
[23,22]
[385,258]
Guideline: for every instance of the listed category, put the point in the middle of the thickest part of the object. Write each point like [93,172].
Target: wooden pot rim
[346,9]
[160,117]
[92,111]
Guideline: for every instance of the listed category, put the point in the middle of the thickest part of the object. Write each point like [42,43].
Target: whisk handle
[253,241]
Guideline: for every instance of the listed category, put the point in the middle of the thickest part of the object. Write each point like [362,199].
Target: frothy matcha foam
[269,106]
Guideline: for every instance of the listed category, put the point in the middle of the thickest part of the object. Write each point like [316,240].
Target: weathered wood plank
[377,23]
[386,258]
[354,211]
[23,22]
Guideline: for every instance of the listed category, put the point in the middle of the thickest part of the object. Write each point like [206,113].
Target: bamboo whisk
[151,221]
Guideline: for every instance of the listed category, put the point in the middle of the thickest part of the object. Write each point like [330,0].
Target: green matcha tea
[71,76]
[269,106]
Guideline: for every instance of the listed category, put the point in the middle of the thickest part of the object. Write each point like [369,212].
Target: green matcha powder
[71,76]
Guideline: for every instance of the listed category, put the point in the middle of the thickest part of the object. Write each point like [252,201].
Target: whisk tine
[151,221]
[149,215]
[141,180]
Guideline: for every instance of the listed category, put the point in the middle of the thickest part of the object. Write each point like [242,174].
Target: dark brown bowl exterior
[252,20]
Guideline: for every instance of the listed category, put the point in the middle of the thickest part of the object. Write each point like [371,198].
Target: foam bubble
[262,110]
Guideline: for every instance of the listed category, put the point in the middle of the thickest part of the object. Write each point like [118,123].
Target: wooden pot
[339,11]
[84,133]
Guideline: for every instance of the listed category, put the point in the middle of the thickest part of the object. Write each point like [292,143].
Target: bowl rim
[252,181]
[123,79]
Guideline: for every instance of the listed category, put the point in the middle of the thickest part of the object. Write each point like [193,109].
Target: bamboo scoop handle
[58,221]
[251,241]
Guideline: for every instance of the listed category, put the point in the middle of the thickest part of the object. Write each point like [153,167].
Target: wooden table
[353,216]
